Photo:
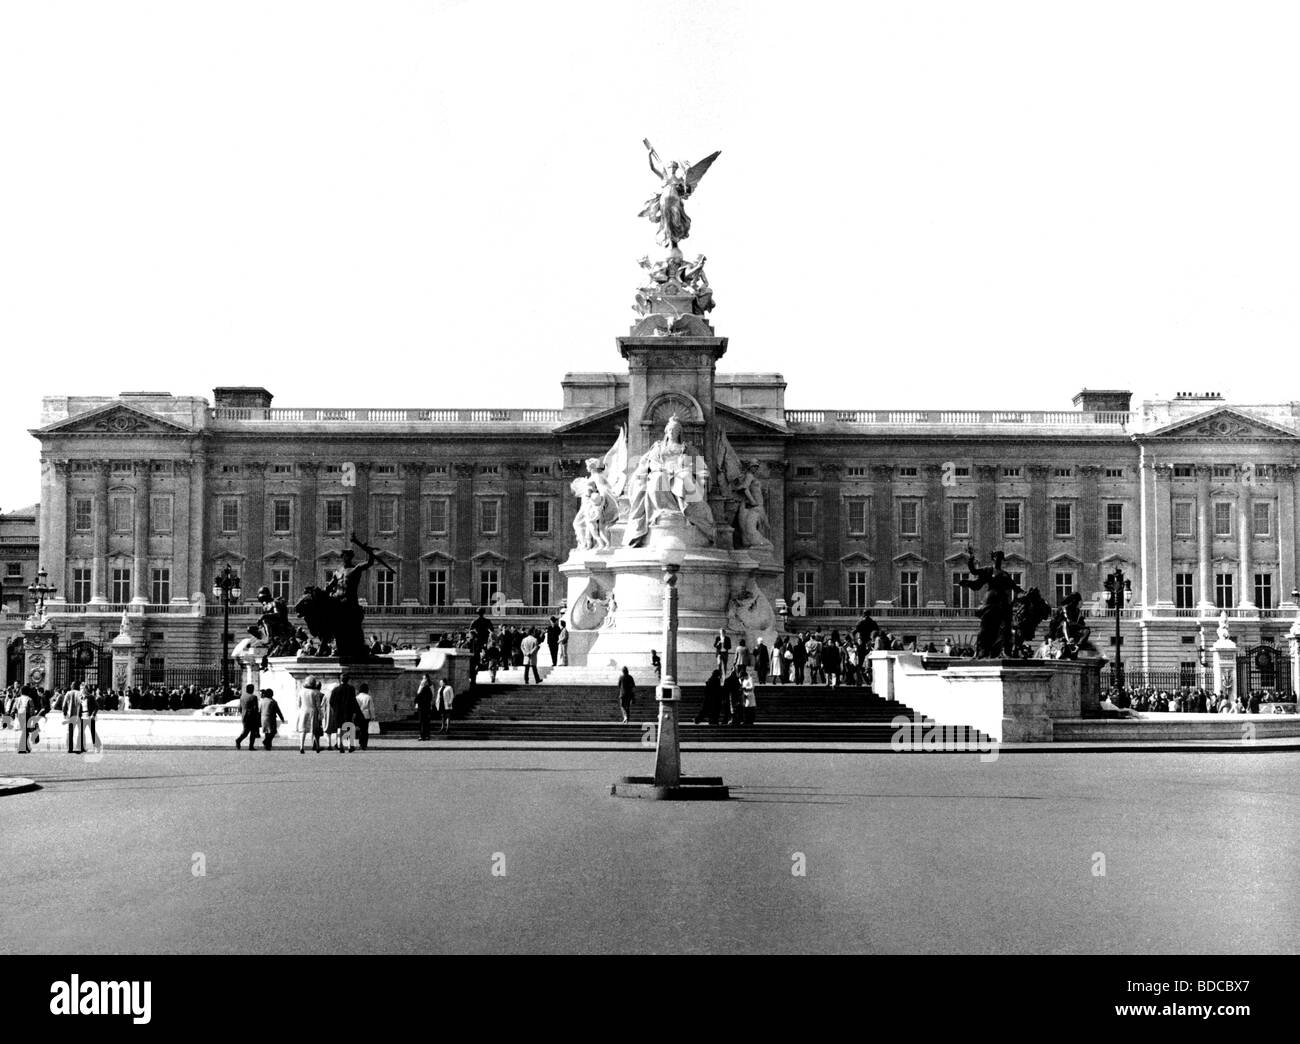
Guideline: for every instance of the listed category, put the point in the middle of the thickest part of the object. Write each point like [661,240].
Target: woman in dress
[309,713]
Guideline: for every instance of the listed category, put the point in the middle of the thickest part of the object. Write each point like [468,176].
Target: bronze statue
[334,615]
[273,627]
[995,638]
[665,208]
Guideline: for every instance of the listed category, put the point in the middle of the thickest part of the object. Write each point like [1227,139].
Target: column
[1147,547]
[776,512]
[140,541]
[1091,511]
[882,518]
[463,537]
[570,469]
[255,528]
[54,527]
[180,562]
[361,506]
[516,522]
[1204,558]
[102,522]
[1164,562]
[1286,535]
[1246,578]
[412,479]
[198,533]
[308,527]
[987,531]
[1039,523]
[832,518]
[934,538]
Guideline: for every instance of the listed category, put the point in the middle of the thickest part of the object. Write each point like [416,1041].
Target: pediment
[115,418]
[603,422]
[738,422]
[1224,423]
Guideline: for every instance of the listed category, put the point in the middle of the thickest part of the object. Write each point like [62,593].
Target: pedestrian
[553,640]
[89,715]
[656,663]
[748,697]
[270,713]
[564,643]
[798,657]
[733,703]
[712,704]
[762,661]
[744,655]
[722,650]
[626,693]
[72,719]
[309,713]
[342,714]
[424,703]
[446,696]
[25,719]
[365,715]
[249,715]
[529,649]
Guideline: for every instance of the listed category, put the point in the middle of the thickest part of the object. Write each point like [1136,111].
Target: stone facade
[146,495]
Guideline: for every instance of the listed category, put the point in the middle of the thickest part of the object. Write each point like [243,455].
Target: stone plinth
[1225,667]
[123,662]
[38,657]
[392,688]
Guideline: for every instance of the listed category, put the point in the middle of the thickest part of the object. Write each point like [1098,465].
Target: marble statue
[1224,636]
[753,529]
[665,208]
[597,513]
[670,480]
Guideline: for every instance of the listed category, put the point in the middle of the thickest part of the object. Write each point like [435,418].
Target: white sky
[434,203]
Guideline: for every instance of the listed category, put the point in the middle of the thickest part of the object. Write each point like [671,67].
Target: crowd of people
[1183,700]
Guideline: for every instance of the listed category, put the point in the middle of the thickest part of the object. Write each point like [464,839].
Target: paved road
[394,851]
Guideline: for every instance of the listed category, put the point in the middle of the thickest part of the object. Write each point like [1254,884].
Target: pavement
[425,848]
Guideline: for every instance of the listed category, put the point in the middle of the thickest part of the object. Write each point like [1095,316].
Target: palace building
[146,496]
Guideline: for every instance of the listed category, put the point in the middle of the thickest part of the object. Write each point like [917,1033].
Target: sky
[385,203]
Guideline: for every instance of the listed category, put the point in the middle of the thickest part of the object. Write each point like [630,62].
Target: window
[1064,519]
[438,516]
[230,469]
[1017,577]
[160,514]
[83,465]
[1183,471]
[1222,518]
[805,583]
[1183,597]
[14,569]
[385,586]
[1224,471]
[857,587]
[437,469]
[333,469]
[541,524]
[960,518]
[160,586]
[437,594]
[1223,590]
[334,515]
[907,472]
[857,512]
[1114,473]
[161,467]
[856,471]
[540,469]
[386,514]
[960,595]
[1010,473]
[281,469]
[805,471]
[909,517]
[1187,673]
[962,471]
[386,469]
[1264,590]
[909,588]
[121,508]
[80,585]
[229,515]
[82,514]
[281,583]
[1182,518]
[489,582]
[541,587]
[1064,583]
[281,515]
[1011,519]
[1062,472]
[1260,514]
[1114,520]
[489,513]
[1263,471]
[121,467]
[157,670]
[804,517]
[121,589]
[489,469]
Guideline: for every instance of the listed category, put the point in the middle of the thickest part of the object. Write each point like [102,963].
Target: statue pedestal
[1225,667]
[392,688]
[38,656]
[123,662]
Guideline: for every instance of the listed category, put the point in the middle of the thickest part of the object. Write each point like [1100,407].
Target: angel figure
[753,529]
[599,491]
[666,208]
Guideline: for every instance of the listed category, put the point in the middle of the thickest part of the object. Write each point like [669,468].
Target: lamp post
[1116,588]
[39,589]
[225,587]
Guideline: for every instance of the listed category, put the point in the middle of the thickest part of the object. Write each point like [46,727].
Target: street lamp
[39,589]
[225,588]
[1116,588]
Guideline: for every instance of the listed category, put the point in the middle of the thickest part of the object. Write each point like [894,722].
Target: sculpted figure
[995,637]
[665,208]
[667,480]
[751,523]
[273,626]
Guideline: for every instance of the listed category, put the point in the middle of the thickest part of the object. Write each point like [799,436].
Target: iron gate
[83,661]
[1264,667]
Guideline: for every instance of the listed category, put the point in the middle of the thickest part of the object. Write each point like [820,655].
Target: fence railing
[369,415]
[1070,418]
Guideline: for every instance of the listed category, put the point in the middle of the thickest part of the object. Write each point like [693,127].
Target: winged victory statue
[666,208]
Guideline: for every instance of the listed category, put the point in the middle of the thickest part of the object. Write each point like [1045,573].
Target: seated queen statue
[670,481]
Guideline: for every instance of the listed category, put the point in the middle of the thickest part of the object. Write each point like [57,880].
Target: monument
[671,489]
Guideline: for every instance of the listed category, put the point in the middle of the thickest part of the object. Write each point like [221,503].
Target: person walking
[250,716]
[553,640]
[733,702]
[24,712]
[626,693]
[446,697]
[309,713]
[722,650]
[529,649]
[762,661]
[342,714]
[89,716]
[798,657]
[564,643]
[712,705]
[749,699]
[365,715]
[72,719]
[270,712]
[424,703]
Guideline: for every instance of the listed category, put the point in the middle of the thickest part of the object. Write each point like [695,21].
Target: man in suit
[423,704]
[250,715]
[72,719]
[343,713]
[553,639]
